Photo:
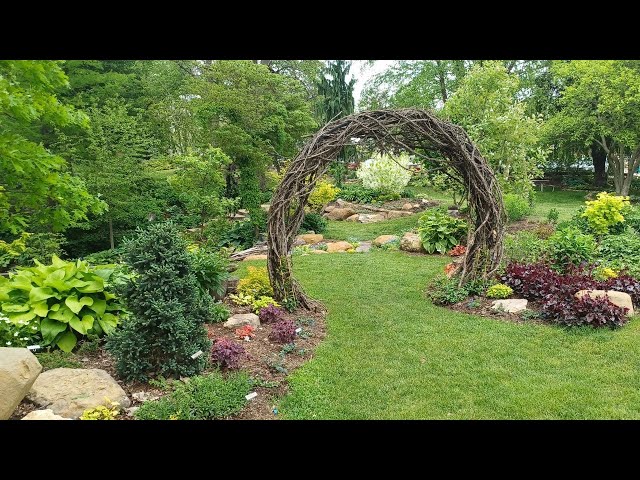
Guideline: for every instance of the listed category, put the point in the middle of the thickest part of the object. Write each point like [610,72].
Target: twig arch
[415,131]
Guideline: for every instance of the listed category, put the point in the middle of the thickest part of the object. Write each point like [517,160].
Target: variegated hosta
[64,299]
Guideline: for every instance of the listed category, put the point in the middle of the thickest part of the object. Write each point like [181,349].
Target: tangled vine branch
[411,130]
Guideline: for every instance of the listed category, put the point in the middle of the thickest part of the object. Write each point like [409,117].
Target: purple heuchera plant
[284,331]
[227,353]
[270,314]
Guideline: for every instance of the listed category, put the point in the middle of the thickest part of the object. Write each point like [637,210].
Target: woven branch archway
[411,130]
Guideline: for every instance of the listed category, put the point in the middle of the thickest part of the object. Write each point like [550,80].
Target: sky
[362,76]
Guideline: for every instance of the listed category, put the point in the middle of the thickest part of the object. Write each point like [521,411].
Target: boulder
[372,218]
[620,299]
[364,247]
[261,256]
[144,396]
[512,305]
[19,368]
[339,213]
[382,239]
[342,203]
[43,415]
[339,247]
[311,238]
[410,242]
[407,206]
[240,319]
[329,208]
[70,391]
[353,218]
[397,214]
[265,207]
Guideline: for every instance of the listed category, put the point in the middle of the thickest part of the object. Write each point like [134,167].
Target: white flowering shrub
[19,333]
[384,173]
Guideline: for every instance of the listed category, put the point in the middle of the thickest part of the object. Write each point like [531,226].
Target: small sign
[197,354]
[251,396]
[298,330]
[34,347]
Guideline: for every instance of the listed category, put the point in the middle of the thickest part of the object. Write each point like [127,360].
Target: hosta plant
[439,231]
[63,300]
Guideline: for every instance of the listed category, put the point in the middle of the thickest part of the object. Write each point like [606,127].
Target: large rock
[407,206]
[262,256]
[339,213]
[353,218]
[240,319]
[71,391]
[620,299]
[19,368]
[410,242]
[265,207]
[397,214]
[338,247]
[512,305]
[342,203]
[311,238]
[43,415]
[329,208]
[382,239]
[364,247]
[371,218]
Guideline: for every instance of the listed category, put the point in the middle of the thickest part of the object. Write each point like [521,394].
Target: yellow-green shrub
[256,283]
[605,212]
[499,290]
[101,412]
[323,193]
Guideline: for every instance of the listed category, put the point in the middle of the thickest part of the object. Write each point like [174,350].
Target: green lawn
[391,354]
[368,231]
[566,202]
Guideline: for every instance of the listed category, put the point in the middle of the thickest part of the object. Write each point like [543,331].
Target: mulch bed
[482,306]
[260,352]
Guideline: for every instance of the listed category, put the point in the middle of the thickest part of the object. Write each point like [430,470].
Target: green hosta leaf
[26,316]
[97,329]
[440,247]
[64,314]
[55,307]
[108,322]
[104,273]
[88,322]
[41,309]
[92,286]
[77,325]
[21,282]
[99,306]
[76,305]
[40,293]
[56,280]
[453,241]
[56,262]
[50,328]
[114,307]
[109,296]
[14,307]
[69,271]
[67,341]
[77,283]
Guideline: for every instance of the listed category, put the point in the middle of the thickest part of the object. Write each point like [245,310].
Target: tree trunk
[441,78]
[599,157]
[111,243]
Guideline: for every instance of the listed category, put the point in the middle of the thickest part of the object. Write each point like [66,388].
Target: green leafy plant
[604,273]
[516,206]
[9,252]
[524,246]
[569,246]
[205,397]
[255,283]
[323,193]
[553,216]
[241,299]
[445,291]
[168,310]
[210,269]
[606,212]
[102,412]
[315,222]
[439,231]
[262,302]
[219,312]
[499,291]
[41,247]
[65,298]
[18,334]
[58,359]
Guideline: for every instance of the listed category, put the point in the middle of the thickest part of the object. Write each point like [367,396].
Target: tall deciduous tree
[336,101]
[37,192]
[601,103]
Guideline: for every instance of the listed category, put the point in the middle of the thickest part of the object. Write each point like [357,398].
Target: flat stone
[371,218]
[339,247]
[364,247]
[70,391]
[19,369]
[410,242]
[620,299]
[43,415]
[329,208]
[311,238]
[512,305]
[265,207]
[240,319]
[382,239]
[397,214]
[261,256]
[144,396]
[353,218]
[131,410]
[407,206]
[339,213]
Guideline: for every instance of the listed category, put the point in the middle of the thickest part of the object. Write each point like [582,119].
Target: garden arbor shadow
[415,131]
